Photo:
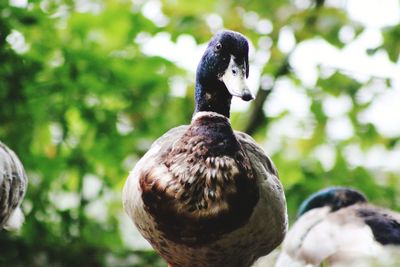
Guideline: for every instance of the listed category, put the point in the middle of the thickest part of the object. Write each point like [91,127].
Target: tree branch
[257,116]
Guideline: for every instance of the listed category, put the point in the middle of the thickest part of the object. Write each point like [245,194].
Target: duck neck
[213,97]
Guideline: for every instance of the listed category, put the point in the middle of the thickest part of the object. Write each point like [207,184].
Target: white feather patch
[339,239]
[15,221]
[200,114]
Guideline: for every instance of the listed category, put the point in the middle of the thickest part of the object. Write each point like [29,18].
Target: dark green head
[333,197]
[222,73]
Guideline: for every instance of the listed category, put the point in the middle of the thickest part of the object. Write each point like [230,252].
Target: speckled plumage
[13,184]
[212,188]
[338,227]
[214,234]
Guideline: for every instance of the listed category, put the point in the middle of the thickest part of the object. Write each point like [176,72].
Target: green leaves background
[80,102]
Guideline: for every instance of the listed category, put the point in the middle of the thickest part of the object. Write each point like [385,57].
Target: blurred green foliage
[81,102]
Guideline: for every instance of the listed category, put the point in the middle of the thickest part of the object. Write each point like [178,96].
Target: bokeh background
[87,86]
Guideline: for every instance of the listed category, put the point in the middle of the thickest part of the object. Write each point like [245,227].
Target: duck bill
[234,79]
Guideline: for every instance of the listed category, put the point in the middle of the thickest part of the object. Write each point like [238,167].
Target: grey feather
[13,185]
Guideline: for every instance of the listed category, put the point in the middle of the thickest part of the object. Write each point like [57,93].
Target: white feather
[339,239]
[15,221]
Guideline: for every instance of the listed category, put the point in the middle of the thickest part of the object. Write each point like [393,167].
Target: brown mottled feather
[206,196]
[203,200]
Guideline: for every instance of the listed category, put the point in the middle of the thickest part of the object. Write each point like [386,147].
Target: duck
[13,185]
[204,194]
[337,226]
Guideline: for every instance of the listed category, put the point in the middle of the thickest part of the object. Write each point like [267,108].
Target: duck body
[13,185]
[227,209]
[203,194]
[338,227]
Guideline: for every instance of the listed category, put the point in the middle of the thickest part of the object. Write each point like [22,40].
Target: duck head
[333,197]
[222,73]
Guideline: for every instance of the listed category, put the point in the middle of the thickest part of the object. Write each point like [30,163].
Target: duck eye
[218,46]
